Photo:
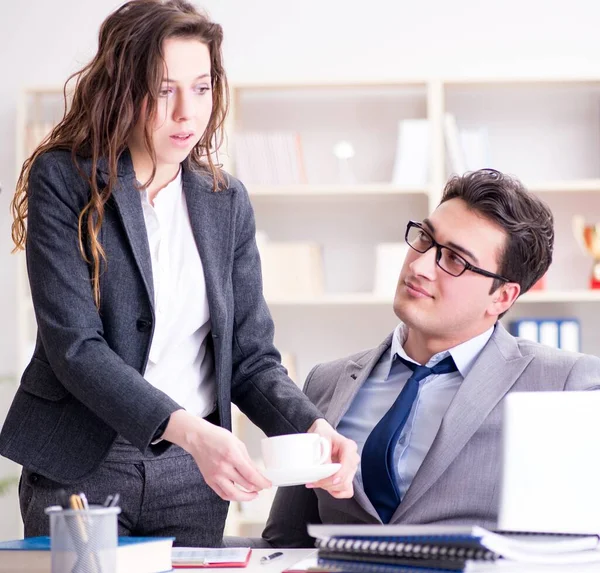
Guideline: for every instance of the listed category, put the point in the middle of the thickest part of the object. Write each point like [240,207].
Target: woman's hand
[222,458]
[343,451]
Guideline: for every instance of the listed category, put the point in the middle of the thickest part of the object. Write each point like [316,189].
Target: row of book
[563,333]
[269,158]
[277,157]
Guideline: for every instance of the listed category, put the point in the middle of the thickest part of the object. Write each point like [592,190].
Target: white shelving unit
[544,130]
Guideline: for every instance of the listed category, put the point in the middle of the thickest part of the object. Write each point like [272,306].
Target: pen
[84,500]
[268,558]
[111,500]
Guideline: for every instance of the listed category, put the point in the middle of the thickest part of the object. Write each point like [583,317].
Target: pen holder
[83,541]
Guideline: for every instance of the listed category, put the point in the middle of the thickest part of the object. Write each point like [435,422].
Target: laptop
[551,462]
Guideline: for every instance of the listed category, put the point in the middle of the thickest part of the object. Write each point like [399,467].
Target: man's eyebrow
[200,77]
[452,245]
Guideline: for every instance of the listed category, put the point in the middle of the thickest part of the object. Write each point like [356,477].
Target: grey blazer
[459,478]
[84,384]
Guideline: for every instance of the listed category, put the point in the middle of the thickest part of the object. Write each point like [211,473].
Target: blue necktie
[380,479]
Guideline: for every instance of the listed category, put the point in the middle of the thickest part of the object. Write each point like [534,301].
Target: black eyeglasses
[447,259]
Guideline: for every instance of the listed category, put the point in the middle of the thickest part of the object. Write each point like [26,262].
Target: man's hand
[221,457]
[344,451]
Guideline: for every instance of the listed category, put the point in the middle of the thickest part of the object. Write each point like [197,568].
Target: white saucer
[300,476]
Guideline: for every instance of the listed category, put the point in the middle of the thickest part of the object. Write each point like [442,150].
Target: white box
[291,269]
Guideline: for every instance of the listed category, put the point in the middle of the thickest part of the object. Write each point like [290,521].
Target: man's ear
[503,298]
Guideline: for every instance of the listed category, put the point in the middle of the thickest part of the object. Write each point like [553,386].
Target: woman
[145,280]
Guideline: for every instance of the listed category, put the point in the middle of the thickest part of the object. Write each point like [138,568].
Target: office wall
[42,41]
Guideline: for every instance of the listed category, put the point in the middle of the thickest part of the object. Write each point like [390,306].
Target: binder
[450,548]
[452,554]
[563,333]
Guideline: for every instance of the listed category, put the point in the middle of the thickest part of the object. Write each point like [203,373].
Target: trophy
[344,152]
[588,236]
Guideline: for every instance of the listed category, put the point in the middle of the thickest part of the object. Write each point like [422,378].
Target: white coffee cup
[295,451]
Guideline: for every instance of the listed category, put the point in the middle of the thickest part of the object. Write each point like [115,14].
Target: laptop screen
[551,462]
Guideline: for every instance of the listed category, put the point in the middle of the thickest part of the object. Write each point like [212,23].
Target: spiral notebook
[361,547]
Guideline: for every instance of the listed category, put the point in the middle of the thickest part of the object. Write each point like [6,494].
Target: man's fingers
[341,489]
[335,480]
[346,493]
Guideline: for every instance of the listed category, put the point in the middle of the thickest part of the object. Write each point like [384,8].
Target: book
[389,258]
[411,164]
[476,147]
[139,554]
[447,547]
[194,557]
[454,151]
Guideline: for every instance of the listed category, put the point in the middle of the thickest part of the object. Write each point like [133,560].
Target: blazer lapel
[128,200]
[352,377]
[494,373]
[211,221]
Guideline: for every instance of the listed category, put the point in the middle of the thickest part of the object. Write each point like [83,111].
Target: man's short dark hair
[526,219]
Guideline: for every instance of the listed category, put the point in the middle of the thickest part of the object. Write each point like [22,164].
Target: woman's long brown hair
[107,101]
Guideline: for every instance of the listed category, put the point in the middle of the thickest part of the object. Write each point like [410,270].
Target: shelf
[339,299]
[336,84]
[583,295]
[386,189]
[574,186]
[540,80]
[334,190]
[368,299]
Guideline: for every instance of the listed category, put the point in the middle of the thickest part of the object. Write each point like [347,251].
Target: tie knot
[419,372]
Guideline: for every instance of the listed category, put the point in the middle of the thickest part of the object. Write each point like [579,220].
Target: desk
[290,556]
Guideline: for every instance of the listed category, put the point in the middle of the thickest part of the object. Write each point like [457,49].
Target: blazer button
[144,325]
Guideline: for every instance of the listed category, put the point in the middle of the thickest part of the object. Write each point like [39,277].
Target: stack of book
[139,554]
[269,158]
[395,548]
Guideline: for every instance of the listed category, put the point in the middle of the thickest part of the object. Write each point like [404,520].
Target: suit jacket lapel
[128,200]
[211,221]
[494,373]
[353,376]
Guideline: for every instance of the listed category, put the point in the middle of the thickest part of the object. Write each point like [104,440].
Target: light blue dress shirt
[381,389]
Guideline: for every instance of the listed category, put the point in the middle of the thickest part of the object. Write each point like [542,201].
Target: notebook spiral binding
[403,549]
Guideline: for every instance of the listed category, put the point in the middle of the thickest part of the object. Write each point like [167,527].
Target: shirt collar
[168,194]
[464,354]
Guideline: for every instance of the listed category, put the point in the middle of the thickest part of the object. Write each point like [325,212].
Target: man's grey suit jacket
[459,478]
[84,384]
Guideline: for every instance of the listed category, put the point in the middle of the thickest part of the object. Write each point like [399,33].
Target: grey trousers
[161,497]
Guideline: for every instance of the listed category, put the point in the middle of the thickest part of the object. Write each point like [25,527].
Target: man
[425,407]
